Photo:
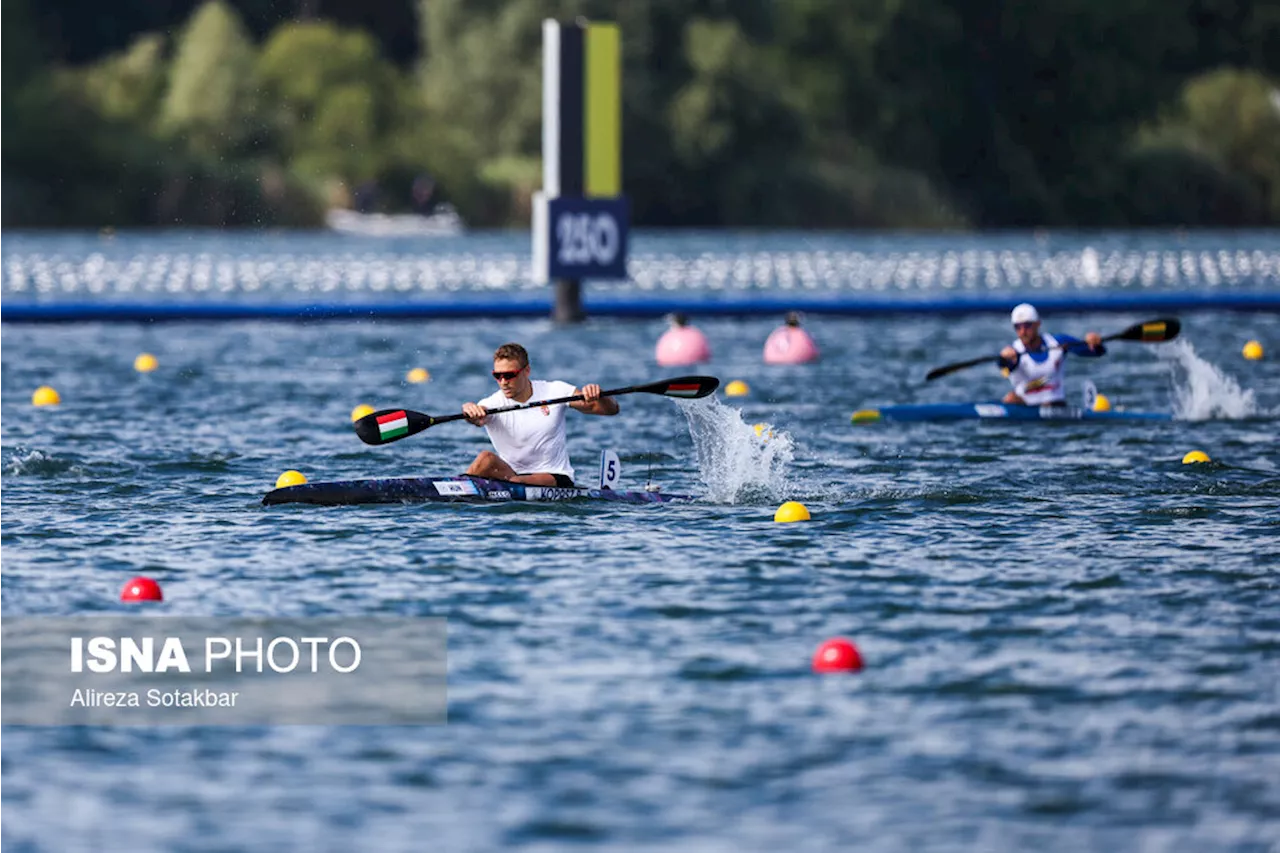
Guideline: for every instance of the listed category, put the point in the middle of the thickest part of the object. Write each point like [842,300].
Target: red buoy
[837,655]
[141,589]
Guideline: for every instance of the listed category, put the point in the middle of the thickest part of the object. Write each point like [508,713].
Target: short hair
[512,352]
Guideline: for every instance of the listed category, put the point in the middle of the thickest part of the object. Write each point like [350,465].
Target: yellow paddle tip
[866,416]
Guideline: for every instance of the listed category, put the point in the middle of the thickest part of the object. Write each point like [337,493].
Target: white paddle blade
[610,470]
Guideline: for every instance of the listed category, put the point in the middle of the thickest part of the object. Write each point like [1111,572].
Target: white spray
[1201,391]
[735,463]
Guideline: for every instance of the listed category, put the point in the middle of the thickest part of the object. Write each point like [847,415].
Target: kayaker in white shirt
[531,444]
[1036,363]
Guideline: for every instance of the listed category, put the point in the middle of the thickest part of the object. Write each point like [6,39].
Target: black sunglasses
[507,374]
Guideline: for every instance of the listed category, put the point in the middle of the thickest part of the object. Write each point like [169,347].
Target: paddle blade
[689,387]
[1152,331]
[388,425]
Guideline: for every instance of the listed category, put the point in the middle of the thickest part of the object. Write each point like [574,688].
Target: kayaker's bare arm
[592,403]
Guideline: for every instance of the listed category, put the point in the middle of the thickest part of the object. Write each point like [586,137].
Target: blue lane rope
[142,312]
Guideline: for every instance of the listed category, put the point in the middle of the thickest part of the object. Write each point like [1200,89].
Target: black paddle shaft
[1150,332]
[388,425]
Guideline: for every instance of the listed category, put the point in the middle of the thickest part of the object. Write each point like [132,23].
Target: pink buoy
[682,344]
[790,344]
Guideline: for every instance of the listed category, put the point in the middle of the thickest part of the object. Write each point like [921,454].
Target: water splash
[1201,391]
[735,463]
[24,462]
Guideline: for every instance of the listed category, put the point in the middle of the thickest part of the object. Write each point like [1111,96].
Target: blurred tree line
[787,113]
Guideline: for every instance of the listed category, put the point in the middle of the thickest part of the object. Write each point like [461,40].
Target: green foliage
[1236,115]
[701,113]
[830,49]
[203,193]
[840,195]
[329,98]
[483,95]
[729,122]
[128,85]
[68,165]
[1215,154]
[21,56]
[302,62]
[808,113]
[25,99]
[1024,109]
[74,167]
[210,103]
[87,156]
[1170,184]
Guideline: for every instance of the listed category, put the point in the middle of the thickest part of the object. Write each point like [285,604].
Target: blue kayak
[460,489]
[923,412]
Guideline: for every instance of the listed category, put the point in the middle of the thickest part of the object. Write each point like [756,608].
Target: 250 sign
[587,238]
[584,239]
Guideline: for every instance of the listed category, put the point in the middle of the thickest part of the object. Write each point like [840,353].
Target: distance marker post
[580,218]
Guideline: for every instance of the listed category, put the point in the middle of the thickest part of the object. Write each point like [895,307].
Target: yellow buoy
[418,374]
[736,388]
[290,478]
[1252,351]
[360,411]
[145,363]
[45,396]
[791,511]
[764,431]
[1195,456]
[1101,403]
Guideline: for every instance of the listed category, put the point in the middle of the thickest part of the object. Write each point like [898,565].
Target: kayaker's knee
[483,463]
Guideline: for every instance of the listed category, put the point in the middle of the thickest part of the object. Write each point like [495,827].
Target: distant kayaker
[1036,363]
[530,443]
[790,344]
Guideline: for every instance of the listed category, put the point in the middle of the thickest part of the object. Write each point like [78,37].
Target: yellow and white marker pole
[580,218]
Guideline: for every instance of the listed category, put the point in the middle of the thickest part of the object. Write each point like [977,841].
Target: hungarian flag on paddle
[393,425]
[683,389]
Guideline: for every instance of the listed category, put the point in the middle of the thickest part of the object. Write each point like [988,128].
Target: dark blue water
[1072,639]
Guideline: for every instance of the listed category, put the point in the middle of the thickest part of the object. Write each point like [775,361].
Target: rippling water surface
[1072,639]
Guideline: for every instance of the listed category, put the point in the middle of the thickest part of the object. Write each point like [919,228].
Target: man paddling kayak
[1036,363]
[530,443]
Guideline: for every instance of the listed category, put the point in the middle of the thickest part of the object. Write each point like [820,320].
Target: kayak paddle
[388,425]
[1150,332]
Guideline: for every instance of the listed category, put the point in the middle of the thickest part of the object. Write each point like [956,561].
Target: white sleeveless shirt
[532,441]
[1040,382]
